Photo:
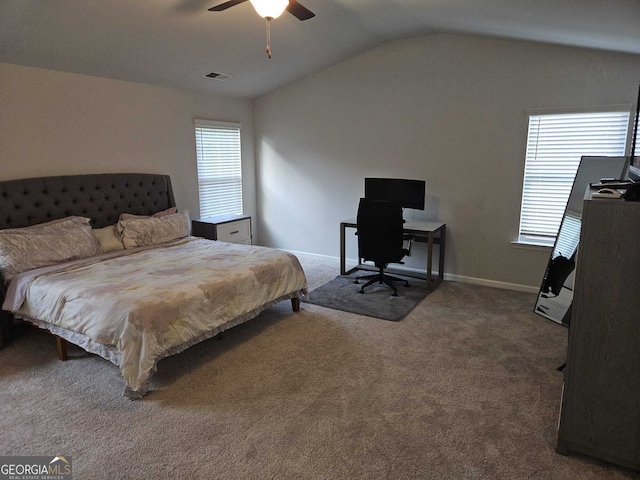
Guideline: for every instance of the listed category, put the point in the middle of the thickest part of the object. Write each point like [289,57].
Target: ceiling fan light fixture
[269,8]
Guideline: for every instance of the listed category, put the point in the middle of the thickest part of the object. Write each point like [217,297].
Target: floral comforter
[138,306]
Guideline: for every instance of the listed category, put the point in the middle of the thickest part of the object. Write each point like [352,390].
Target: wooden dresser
[600,412]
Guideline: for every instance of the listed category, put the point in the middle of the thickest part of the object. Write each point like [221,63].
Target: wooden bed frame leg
[62,348]
[295,304]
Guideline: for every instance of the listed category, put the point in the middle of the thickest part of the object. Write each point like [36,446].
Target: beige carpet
[465,386]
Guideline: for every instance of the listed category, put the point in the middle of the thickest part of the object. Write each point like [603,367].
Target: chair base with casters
[380,239]
[381,277]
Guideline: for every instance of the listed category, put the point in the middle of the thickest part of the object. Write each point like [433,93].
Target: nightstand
[226,228]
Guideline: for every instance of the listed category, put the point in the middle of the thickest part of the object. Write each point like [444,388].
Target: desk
[431,233]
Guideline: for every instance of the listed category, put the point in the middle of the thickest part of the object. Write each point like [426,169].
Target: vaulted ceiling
[175,43]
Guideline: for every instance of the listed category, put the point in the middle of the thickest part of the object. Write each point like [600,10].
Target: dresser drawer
[238,231]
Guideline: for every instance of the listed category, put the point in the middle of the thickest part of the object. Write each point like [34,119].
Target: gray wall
[449,109]
[446,108]
[55,123]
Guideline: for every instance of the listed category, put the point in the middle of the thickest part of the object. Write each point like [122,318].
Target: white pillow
[107,238]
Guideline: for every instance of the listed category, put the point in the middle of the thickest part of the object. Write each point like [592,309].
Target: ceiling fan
[270,9]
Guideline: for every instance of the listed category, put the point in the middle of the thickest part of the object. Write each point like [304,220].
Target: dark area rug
[342,294]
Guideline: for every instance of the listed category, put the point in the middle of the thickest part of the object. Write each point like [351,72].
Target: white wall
[54,123]
[449,109]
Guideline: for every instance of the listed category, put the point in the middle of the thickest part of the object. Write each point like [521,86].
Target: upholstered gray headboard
[101,197]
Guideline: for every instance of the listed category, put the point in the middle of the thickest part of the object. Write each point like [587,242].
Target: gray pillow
[45,244]
[139,232]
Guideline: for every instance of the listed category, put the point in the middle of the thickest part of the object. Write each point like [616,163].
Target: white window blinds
[555,145]
[219,168]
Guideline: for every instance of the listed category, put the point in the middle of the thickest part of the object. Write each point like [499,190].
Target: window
[219,168]
[555,145]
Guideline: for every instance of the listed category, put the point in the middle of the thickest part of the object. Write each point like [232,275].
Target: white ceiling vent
[219,76]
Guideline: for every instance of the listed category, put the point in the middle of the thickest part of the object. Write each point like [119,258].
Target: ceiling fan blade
[298,11]
[225,5]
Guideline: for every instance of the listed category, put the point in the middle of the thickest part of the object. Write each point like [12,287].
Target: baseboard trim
[316,255]
[447,276]
[491,283]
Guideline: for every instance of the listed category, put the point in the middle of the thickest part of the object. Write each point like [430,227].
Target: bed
[155,294]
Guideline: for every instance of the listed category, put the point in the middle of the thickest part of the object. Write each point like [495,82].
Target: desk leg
[443,232]
[429,259]
[343,263]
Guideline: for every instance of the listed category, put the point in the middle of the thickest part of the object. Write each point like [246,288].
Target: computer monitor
[410,193]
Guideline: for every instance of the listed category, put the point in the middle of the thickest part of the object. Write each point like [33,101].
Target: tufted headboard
[102,197]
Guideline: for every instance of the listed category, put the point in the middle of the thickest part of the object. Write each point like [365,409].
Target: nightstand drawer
[235,232]
[226,228]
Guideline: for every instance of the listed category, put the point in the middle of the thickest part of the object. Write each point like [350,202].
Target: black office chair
[380,239]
